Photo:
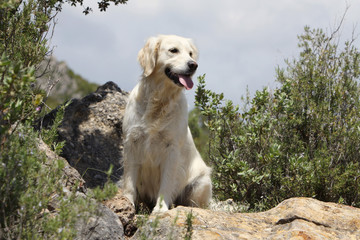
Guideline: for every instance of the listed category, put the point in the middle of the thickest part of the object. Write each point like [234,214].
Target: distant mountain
[61,83]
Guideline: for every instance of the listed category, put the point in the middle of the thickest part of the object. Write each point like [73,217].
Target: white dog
[161,163]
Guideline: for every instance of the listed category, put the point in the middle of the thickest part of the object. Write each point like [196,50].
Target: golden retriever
[162,166]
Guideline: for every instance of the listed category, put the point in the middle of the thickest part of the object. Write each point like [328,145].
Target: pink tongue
[186,81]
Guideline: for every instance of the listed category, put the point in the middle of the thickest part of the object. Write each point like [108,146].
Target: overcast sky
[240,42]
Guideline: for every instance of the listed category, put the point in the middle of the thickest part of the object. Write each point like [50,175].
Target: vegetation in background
[302,139]
[199,131]
[84,87]
[72,86]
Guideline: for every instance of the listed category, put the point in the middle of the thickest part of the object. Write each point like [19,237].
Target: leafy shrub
[302,139]
[199,131]
[29,182]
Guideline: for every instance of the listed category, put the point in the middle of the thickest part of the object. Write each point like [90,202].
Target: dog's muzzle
[183,79]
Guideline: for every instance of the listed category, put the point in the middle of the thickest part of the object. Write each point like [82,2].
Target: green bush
[29,182]
[302,139]
[199,131]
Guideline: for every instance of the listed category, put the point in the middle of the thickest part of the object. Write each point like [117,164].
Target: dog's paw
[160,208]
[130,198]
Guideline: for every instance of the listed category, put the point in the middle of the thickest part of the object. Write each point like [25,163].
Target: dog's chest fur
[161,123]
[158,139]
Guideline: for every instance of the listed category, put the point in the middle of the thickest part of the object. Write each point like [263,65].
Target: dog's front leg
[131,171]
[168,184]
[129,183]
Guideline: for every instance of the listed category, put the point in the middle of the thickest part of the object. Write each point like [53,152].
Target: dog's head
[170,56]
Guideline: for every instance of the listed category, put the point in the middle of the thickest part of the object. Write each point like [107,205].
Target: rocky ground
[295,218]
[92,130]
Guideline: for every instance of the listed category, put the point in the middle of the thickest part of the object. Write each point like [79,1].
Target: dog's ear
[195,52]
[147,56]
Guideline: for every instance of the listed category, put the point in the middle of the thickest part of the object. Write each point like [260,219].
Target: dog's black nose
[192,65]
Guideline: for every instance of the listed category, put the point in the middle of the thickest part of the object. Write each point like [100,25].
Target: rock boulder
[295,218]
[92,129]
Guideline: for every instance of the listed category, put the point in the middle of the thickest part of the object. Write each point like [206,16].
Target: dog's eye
[173,50]
[190,54]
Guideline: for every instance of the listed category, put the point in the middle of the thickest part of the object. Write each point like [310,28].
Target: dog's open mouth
[182,80]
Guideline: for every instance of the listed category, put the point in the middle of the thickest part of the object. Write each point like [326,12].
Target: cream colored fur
[161,163]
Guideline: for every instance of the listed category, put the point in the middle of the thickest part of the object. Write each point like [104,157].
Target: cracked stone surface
[295,218]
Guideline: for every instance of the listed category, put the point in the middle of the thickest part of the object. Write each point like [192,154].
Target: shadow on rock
[92,129]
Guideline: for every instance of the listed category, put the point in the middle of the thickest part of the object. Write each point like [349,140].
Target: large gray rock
[104,226]
[92,129]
